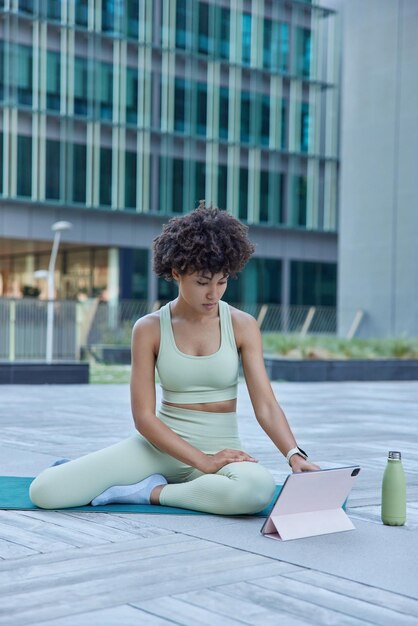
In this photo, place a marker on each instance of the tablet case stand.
(310, 504)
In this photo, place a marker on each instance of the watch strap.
(293, 451)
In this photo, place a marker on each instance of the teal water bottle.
(394, 492)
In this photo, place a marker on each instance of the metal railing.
(23, 324)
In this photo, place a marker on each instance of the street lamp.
(57, 228)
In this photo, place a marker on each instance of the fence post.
(355, 324)
(78, 329)
(262, 315)
(307, 321)
(12, 331)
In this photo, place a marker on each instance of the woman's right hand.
(214, 462)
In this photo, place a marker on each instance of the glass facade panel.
(265, 121)
(304, 127)
(245, 116)
(80, 86)
(130, 180)
(259, 282)
(53, 9)
(24, 166)
(79, 163)
(200, 181)
(223, 112)
(81, 12)
(276, 46)
(201, 104)
(178, 185)
(313, 284)
(222, 186)
(224, 28)
(131, 95)
(246, 38)
(183, 19)
(298, 207)
(106, 176)
(105, 90)
(181, 91)
(132, 18)
(204, 42)
(24, 75)
(1, 164)
(52, 170)
(2, 60)
(243, 194)
(53, 78)
(303, 52)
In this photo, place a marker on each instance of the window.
(183, 35)
(200, 181)
(283, 138)
(105, 176)
(79, 173)
(53, 80)
(264, 196)
(80, 86)
(177, 199)
(225, 25)
(132, 18)
(245, 116)
(271, 196)
(130, 180)
(24, 166)
(203, 35)
(222, 186)
(299, 201)
(303, 51)
(112, 16)
(180, 105)
(201, 102)
(105, 75)
(265, 120)
(81, 12)
(53, 9)
(243, 194)
(269, 284)
(246, 38)
(52, 170)
(24, 75)
(304, 127)
(276, 46)
(131, 95)
(1, 163)
(313, 284)
(223, 112)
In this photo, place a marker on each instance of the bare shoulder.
(147, 328)
(245, 326)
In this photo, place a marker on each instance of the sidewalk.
(62, 569)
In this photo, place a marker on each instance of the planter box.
(41, 373)
(337, 371)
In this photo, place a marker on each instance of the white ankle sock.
(139, 493)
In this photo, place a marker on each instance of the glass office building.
(144, 107)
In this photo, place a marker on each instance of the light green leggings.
(237, 488)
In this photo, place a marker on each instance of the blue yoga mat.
(14, 494)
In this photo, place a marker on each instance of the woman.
(187, 454)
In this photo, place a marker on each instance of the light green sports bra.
(188, 379)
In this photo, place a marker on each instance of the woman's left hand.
(299, 464)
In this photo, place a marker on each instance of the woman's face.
(201, 290)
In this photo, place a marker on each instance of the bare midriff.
(226, 406)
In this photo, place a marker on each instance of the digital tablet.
(310, 503)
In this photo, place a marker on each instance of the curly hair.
(204, 240)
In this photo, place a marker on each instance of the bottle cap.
(396, 456)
